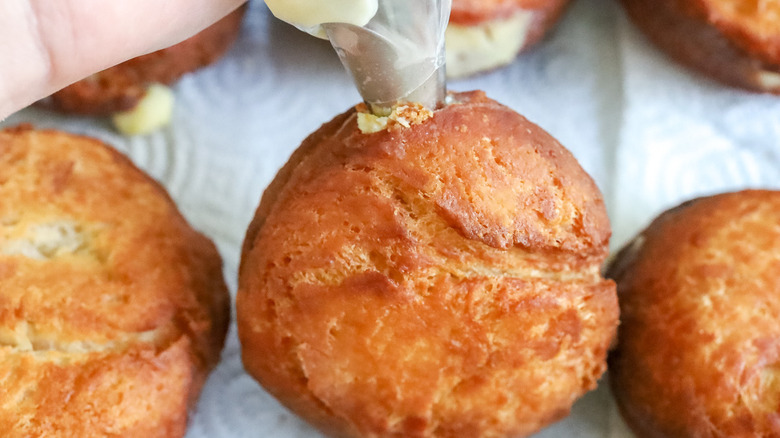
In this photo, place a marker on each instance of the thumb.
(46, 45)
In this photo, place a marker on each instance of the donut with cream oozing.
(486, 34)
(482, 34)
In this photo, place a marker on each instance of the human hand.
(46, 45)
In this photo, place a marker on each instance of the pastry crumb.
(402, 115)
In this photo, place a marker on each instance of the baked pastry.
(112, 308)
(698, 350)
(438, 277)
(486, 34)
(734, 41)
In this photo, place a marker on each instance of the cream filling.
(154, 111)
(471, 49)
(768, 80)
(308, 15)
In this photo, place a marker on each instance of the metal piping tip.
(399, 55)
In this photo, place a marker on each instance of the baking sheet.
(650, 133)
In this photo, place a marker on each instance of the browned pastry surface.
(699, 341)
(112, 308)
(467, 12)
(120, 87)
(437, 280)
(733, 41)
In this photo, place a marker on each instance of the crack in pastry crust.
(408, 282)
(112, 308)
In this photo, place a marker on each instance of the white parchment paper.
(649, 132)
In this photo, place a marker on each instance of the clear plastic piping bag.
(399, 55)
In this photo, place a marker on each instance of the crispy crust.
(437, 280)
(698, 350)
(694, 34)
(121, 87)
(112, 308)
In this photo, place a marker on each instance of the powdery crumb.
(402, 115)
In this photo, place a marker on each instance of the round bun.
(121, 87)
(734, 41)
(486, 34)
(440, 279)
(699, 343)
(112, 309)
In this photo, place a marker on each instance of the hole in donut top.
(43, 241)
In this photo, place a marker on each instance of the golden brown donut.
(440, 279)
(485, 34)
(734, 41)
(699, 343)
(112, 308)
(121, 87)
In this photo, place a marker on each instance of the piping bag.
(393, 49)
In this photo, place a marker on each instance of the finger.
(46, 45)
